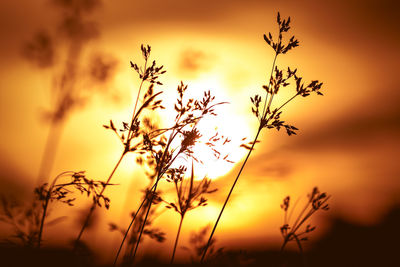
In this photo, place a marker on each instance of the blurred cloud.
(192, 62)
(40, 50)
(102, 67)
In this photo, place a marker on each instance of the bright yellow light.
(228, 124)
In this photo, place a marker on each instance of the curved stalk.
(125, 151)
(46, 204)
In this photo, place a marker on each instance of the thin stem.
(227, 198)
(285, 218)
(92, 208)
(295, 226)
(137, 99)
(129, 227)
(265, 109)
(183, 208)
(285, 241)
(159, 175)
(269, 83)
(284, 104)
(46, 204)
(176, 240)
(144, 221)
(293, 208)
(308, 215)
(300, 250)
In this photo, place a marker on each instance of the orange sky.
(348, 141)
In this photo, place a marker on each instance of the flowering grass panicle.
(268, 115)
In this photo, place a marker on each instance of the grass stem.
(93, 207)
(45, 206)
(176, 240)
(263, 117)
(229, 195)
(129, 227)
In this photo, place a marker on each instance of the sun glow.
(228, 126)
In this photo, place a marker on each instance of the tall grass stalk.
(270, 118)
(229, 195)
(147, 74)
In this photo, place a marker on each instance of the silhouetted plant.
(131, 233)
(198, 242)
(187, 140)
(298, 230)
(62, 192)
(137, 135)
(28, 220)
(190, 195)
(133, 230)
(182, 136)
(269, 117)
(24, 218)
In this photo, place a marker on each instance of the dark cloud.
(365, 123)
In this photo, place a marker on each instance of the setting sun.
(218, 160)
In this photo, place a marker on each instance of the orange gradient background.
(348, 143)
